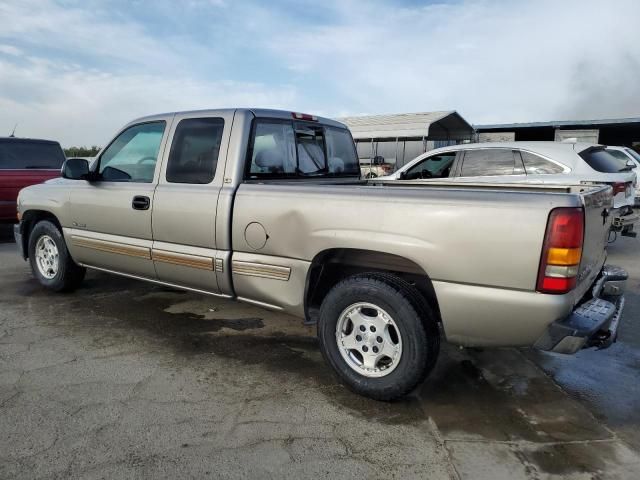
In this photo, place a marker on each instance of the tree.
(82, 151)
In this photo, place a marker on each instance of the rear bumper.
(595, 322)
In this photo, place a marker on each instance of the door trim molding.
(182, 259)
(252, 269)
(111, 247)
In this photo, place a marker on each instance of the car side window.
(536, 165)
(436, 166)
(133, 155)
(194, 150)
(488, 161)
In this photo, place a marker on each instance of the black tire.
(412, 316)
(69, 275)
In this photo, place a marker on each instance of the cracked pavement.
(124, 379)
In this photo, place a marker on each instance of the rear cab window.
(295, 149)
(602, 160)
(18, 154)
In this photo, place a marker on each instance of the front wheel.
(50, 261)
(378, 334)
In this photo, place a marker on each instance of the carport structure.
(399, 138)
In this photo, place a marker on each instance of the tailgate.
(597, 216)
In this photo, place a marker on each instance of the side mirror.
(631, 164)
(402, 176)
(75, 169)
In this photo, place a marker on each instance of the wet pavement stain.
(470, 395)
(566, 459)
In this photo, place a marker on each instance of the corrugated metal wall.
(397, 153)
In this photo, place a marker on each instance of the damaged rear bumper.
(593, 323)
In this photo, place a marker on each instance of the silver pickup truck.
(267, 207)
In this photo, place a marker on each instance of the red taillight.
(304, 116)
(561, 251)
(619, 187)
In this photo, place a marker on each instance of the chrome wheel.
(369, 340)
(47, 258)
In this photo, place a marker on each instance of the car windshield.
(26, 154)
(603, 161)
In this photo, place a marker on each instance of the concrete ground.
(124, 379)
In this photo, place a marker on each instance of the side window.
(194, 150)
(274, 150)
(436, 166)
(536, 165)
(132, 156)
(485, 162)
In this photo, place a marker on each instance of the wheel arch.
(29, 219)
(332, 265)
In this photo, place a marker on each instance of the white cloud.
(78, 107)
(491, 60)
(10, 50)
(78, 71)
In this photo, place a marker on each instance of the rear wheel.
(50, 261)
(378, 334)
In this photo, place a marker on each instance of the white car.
(630, 157)
(531, 162)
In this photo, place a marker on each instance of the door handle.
(140, 202)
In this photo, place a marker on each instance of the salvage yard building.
(618, 131)
(393, 140)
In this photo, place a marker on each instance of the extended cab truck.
(267, 207)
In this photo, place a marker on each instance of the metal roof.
(560, 123)
(407, 125)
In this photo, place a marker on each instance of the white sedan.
(531, 162)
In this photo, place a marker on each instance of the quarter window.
(133, 155)
(485, 162)
(194, 151)
(536, 165)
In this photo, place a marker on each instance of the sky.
(76, 71)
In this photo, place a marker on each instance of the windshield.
(25, 154)
(285, 149)
(603, 161)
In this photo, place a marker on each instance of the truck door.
(111, 216)
(184, 215)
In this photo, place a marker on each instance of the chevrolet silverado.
(268, 207)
